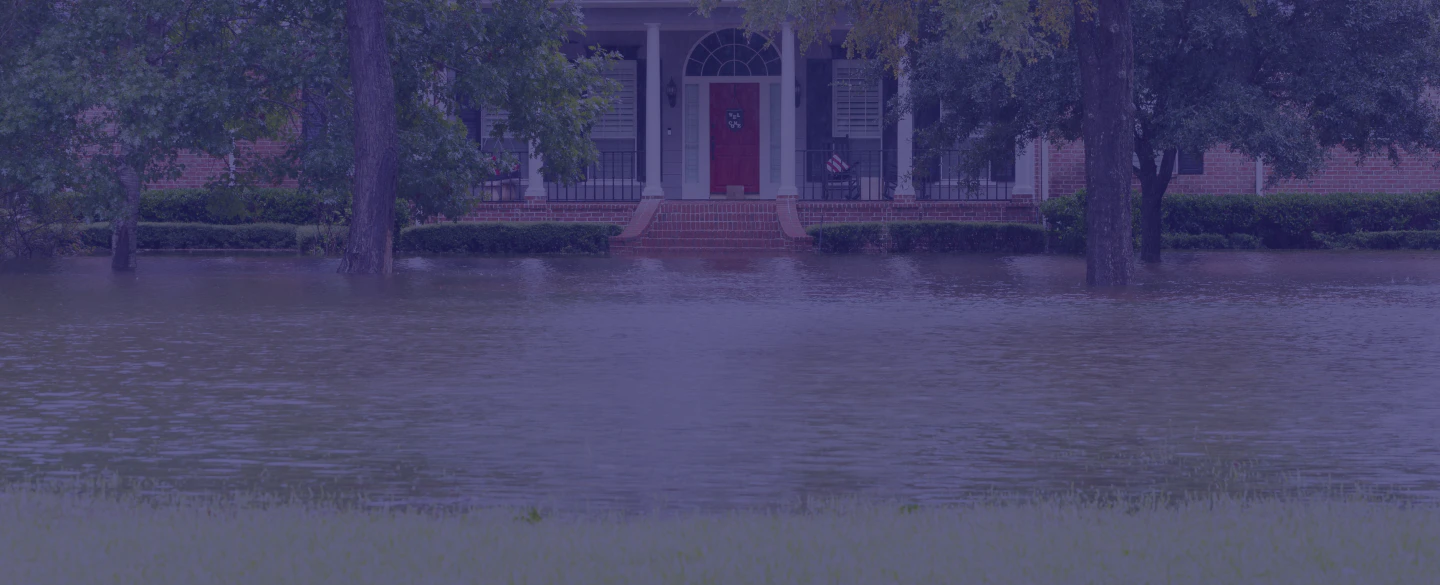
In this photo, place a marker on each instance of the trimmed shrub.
(951, 236)
(508, 238)
(1387, 240)
(845, 238)
(929, 236)
(1292, 220)
(199, 236)
(226, 207)
(1211, 242)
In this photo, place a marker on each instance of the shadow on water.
(723, 382)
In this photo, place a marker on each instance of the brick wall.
(616, 213)
(200, 168)
(817, 212)
(1230, 173)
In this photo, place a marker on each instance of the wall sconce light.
(797, 93)
(671, 91)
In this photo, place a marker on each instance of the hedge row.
(508, 238)
(448, 238)
(247, 206)
(202, 236)
(1272, 221)
(929, 236)
(1388, 240)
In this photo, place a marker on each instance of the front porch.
(706, 112)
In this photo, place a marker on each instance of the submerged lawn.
(48, 539)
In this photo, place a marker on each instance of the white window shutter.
(857, 101)
(620, 121)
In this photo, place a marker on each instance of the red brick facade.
(616, 213)
(1232, 173)
(201, 169)
(818, 212)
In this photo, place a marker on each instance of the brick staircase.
(709, 227)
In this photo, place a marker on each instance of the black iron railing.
(870, 175)
(853, 175)
(617, 176)
(942, 175)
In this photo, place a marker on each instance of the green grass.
(57, 539)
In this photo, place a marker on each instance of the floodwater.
(638, 384)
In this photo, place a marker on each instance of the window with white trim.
(856, 99)
(619, 122)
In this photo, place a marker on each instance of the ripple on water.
(635, 383)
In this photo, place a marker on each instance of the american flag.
(836, 164)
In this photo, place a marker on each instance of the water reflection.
(585, 382)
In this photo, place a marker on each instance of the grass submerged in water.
(49, 538)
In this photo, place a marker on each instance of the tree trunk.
(1104, 43)
(1153, 183)
(369, 249)
(125, 226)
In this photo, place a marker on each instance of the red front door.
(734, 136)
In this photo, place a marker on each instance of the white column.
(1044, 170)
(653, 190)
(1259, 176)
(535, 182)
(904, 137)
(1024, 170)
(788, 188)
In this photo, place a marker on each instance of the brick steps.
(704, 227)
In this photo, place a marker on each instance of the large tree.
(1286, 82)
(378, 103)
(159, 77)
(42, 131)
(1097, 31)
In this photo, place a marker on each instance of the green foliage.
(508, 238)
(929, 236)
(200, 236)
(1281, 81)
(1210, 241)
(844, 238)
(446, 57)
(1281, 221)
(238, 206)
(1387, 240)
(328, 240)
(950, 236)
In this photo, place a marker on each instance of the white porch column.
(535, 182)
(1025, 170)
(787, 188)
(653, 190)
(904, 138)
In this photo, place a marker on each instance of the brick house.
(719, 139)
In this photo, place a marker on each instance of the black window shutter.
(817, 118)
(1192, 163)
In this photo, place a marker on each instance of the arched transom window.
(728, 52)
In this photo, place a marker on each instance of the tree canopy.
(1286, 82)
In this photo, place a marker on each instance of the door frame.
(701, 188)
